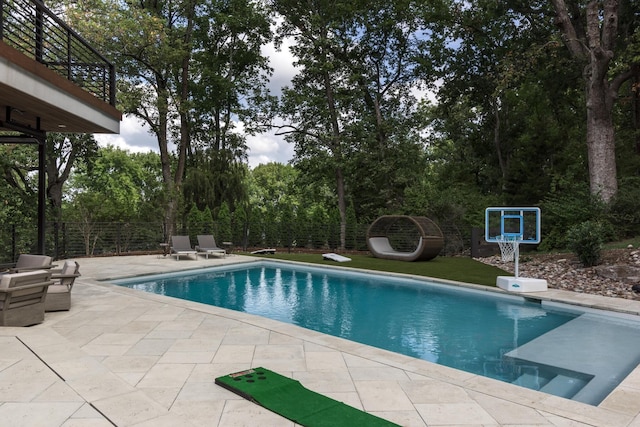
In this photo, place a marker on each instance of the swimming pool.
(553, 348)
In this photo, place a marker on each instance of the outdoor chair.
(22, 297)
(181, 245)
(207, 246)
(59, 293)
(28, 262)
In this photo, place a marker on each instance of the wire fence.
(77, 239)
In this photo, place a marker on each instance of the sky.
(263, 148)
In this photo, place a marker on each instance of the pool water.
(494, 335)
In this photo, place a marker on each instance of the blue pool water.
(498, 336)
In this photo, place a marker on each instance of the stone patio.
(127, 358)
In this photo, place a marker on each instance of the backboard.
(512, 223)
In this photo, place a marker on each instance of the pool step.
(560, 385)
(530, 380)
(608, 352)
(564, 386)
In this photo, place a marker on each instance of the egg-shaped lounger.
(405, 238)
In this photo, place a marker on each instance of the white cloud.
(134, 137)
(263, 148)
(281, 61)
(268, 147)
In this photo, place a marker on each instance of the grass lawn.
(461, 269)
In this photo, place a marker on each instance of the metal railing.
(29, 27)
(76, 239)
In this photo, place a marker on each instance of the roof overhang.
(33, 97)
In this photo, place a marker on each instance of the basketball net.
(508, 247)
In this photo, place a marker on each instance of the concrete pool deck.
(127, 358)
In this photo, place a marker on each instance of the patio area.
(127, 358)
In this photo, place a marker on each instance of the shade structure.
(405, 238)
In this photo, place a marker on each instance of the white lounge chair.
(181, 245)
(207, 246)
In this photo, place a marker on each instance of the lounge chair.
(181, 245)
(59, 293)
(28, 262)
(207, 246)
(22, 297)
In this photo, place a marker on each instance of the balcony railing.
(31, 28)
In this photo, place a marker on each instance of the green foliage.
(18, 214)
(256, 232)
(564, 209)
(240, 225)
(224, 224)
(586, 241)
(196, 221)
(319, 231)
(115, 186)
(352, 229)
(270, 227)
(625, 208)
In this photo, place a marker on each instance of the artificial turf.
(293, 401)
(460, 269)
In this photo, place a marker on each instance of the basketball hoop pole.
(516, 257)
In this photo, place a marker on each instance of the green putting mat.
(290, 399)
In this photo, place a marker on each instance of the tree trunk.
(342, 207)
(601, 148)
(337, 153)
(593, 45)
(161, 131)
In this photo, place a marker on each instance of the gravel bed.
(615, 276)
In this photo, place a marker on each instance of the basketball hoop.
(510, 227)
(508, 246)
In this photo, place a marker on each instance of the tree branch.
(571, 39)
(610, 24)
(619, 79)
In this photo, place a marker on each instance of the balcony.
(51, 80)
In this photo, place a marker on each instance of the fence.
(76, 239)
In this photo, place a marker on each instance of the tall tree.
(505, 118)
(189, 70)
(593, 35)
(150, 42)
(229, 91)
(352, 97)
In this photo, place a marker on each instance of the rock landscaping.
(615, 276)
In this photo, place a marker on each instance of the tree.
(117, 185)
(505, 121)
(64, 151)
(593, 34)
(348, 109)
(189, 70)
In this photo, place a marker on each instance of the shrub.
(586, 240)
(625, 210)
(562, 209)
